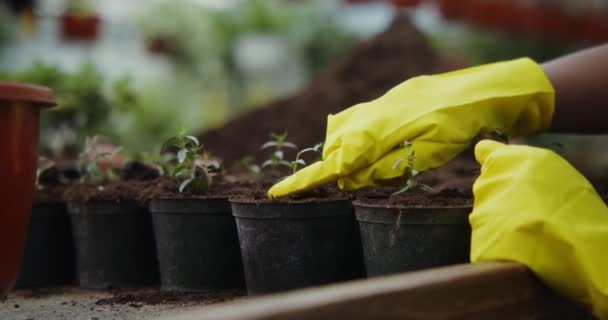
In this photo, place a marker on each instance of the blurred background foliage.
(156, 66)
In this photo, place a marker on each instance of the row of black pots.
(269, 246)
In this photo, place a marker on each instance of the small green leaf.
(194, 140)
(184, 184)
(425, 187)
(278, 155)
(267, 163)
(268, 145)
(285, 163)
(408, 185)
(397, 163)
(289, 145)
(181, 155)
(179, 170)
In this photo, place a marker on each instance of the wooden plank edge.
(491, 290)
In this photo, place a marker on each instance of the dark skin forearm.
(581, 91)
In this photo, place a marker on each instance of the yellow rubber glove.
(532, 207)
(438, 114)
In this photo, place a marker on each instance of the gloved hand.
(532, 207)
(438, 114)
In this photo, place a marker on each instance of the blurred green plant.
(82, 108)
(89, 163)
(483, 46)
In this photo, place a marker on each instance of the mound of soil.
(364, 73)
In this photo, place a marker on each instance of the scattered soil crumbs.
(362, 74)
(139, 299)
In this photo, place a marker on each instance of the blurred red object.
(595, 27)
(79, 27)
(20, 106)
(453, 9)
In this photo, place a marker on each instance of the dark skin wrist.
(581, 91)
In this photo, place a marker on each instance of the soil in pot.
(112, 234)
(196, 237)
(48, 259)
(300, 241)
(413, 230)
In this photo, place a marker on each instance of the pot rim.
(39, 95)
(359, 203)
(245, 200)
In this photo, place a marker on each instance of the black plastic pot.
(114, 244)
(404, 239)
(197, 244)
(48, 259)
(288, 246)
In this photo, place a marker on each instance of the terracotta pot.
(79, 27)
(19, 119)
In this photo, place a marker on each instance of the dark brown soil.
(111, 191)
(138, 299)
(135, 177)
(50, 193)
(416, 198)
(364, 73)
(257, 193)
(169, 188)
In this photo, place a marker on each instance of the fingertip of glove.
(484, 148)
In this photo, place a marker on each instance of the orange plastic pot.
(20, 106)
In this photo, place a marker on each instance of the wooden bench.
(493, 290)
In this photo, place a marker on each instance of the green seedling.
(89, 159)
(277, 157)
(317, 148)
(196, 169)
(248, 162)
(410, 174)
